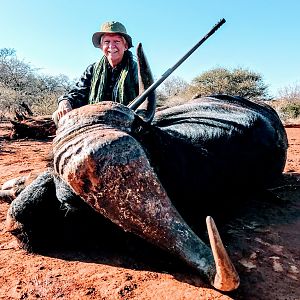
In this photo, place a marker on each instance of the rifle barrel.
(141, 98)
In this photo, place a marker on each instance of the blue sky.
(260, 35)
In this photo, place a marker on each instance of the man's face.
(113, 47)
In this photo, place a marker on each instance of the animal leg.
(32, 211)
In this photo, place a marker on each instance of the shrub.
(238, 82)
(291, 110)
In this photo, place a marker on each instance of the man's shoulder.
(134, 64)
(89, 69)
(91, 66)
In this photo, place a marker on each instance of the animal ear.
(147, 109)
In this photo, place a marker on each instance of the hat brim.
(97, 36)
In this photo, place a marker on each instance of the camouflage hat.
(111, 27)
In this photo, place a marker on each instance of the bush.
(20, 84)
(291, 110)
(238, 82)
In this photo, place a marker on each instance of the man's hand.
(64, 107)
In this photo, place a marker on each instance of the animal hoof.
(226, 278)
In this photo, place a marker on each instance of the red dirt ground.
(263, 242)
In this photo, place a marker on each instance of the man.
(113, 78)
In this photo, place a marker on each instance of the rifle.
(141, 98)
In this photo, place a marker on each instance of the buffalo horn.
(145, 110)
(226, 278)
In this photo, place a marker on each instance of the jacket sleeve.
(79, 95)
(136, 75)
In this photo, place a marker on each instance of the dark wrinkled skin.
(134, 174)
(223, 145)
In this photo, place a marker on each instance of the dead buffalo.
(139, 175)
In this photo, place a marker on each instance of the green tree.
(238, 82)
